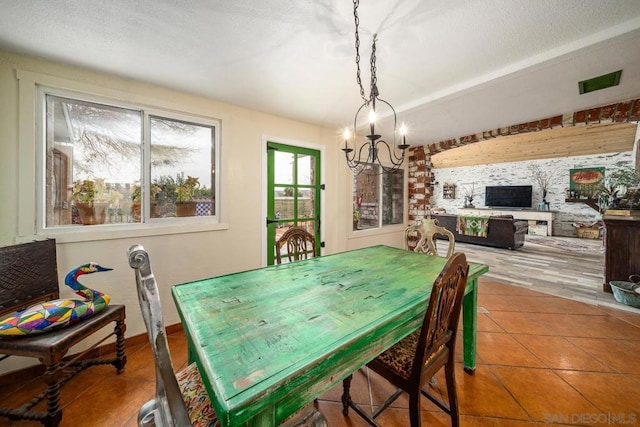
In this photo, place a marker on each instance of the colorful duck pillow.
(55, 314)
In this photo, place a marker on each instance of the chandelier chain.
(356, 3)
(374, 79)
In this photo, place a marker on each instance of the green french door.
(293, 192)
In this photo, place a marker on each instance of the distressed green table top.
(270, 340)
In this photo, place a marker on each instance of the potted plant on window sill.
(136, 199)
(357, 205)
(356, 219)
(185, 191)
(89, 199)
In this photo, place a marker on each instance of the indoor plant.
(544, 180)
(357, 203)
(89, 198)
(621, 190)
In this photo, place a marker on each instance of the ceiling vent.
(600, 82)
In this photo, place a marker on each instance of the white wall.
(520, 173)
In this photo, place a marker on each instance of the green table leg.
(469, 327)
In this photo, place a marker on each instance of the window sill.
(387, 229)
(114, 232)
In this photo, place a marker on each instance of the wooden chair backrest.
(427, 231)
(28, 275)
(299, 244)
(168, 404)
(441, 319)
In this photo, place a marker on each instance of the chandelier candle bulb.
(347, 135)
(403, 132)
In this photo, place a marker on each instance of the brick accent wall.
(621, 112)
(419, 185)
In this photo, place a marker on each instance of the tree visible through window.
(107, 164)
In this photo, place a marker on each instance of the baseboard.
(30, 372)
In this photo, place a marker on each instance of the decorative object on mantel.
(358, 163)
(544, 180)
(448, 191)
(469, 194)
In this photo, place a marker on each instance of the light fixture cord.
(356, 3)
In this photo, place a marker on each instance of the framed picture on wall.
(586, 182)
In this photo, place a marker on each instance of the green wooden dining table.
(269, 341)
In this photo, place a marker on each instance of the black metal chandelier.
(368, 154)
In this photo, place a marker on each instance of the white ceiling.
(450, 68)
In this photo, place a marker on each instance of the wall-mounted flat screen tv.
(508, 196)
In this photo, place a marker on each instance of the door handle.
(271, 221)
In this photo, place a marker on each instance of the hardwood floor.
(576, 274)
(541, 359)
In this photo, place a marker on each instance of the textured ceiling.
(449, 68)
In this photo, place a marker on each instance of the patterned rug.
(572, 244)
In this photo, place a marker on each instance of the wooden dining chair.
(29, 275)
(181, 398)
(414, 360)
(299, 244)
(426, 232)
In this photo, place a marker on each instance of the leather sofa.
(502, 232)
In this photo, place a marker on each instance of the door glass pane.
(308, 225)
(306, 172)
(281, 228)
(283, 167)
(283, 202)
(306, 207)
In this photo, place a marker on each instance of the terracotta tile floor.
(541, 360)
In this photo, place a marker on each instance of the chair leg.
(449, 370)
(121, 358)
(347, 402)
(414, 408)
(54, 411)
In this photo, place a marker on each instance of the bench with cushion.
(502, 231)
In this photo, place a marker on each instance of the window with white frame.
(378, 198)
(112, 164)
